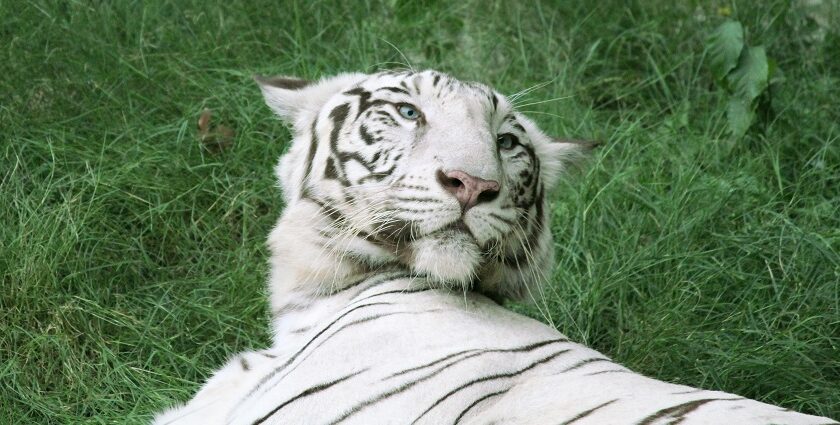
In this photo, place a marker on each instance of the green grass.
(132, 258)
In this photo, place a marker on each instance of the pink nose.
(468, 190)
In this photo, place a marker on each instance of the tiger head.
(417, 170)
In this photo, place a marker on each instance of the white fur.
(385, 329)
(368, 330)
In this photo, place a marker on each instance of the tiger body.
(411, 198)
(395, 351)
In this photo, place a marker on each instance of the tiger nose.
(468, 190)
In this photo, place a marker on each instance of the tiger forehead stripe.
(310, 156)
(393, 89)
(365, 101)
(511, 119)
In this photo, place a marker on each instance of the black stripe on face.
(505, 220)
(417, 199)
(586, 413)
(305, 393)
(519, 260)
(310, 157)
(394, 90)
(495, 101)
(365, 101)
(475, 403)
(378, 175)
(533, 172)
(412, 187)
(678, 412)
(511, 120)
(385, 114)
(490, 378)
(338, 116)
(366, 136)
(330, 172)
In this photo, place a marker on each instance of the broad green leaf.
(749, 79)
(740, 116)
(725, 46)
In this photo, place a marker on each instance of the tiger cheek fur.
(367, 184)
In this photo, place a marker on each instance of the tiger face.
(419, 169)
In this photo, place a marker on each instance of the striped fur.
(391, 350)
(371, 265)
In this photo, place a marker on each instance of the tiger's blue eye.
(408, 112)
(507, 141)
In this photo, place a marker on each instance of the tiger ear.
(283, 95)
(292, 98)
(577, 149)
(562, 154)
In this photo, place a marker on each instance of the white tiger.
(408, 195)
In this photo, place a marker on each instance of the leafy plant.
(745, 73)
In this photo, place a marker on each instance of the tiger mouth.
(458, 226)
(457, 229)
(406, 231)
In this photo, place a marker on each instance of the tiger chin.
(418, 171)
